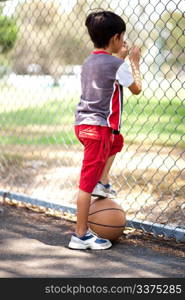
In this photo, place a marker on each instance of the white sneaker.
(89, 241)
(99, 191)
(104, 191)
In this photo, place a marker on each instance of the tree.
(8, 36)
(48, 38)
(171, 41)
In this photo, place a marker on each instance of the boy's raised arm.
(134, 56)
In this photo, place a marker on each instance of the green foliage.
(8, 33)
(171, 39)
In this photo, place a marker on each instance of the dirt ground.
(149, 180)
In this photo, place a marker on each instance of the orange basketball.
(106, 218)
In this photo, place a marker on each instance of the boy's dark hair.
(102, 26)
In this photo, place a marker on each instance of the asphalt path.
(35, 245)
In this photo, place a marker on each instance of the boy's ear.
(116, 37)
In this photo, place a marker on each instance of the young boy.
(98, 115)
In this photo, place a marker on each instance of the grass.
(51, 122)
(154, 121)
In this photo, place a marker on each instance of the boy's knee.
(120, 142)
(117, 144)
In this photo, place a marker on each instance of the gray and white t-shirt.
(103, 77)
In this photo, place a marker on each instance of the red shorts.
(99, 144)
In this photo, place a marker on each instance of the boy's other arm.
(134, 56)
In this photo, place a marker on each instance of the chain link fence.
(42, 47)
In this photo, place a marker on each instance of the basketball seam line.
(106, 209)
(112, 226)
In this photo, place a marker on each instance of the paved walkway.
(34, 245)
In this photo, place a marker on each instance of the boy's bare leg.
(105, 174)
(84, 199)
(83, 203)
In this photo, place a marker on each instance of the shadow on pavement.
(35, 245)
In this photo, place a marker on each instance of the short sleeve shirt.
(103, 77)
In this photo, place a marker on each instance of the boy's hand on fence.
(135, 54)
(123, 51)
